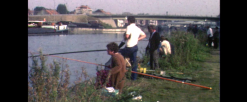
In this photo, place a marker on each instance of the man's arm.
(142, 37)
(117, 67)
(127, 36)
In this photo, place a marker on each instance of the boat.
(34, 23)
(46, 27)
(57, 28)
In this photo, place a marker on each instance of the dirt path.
(214, 61)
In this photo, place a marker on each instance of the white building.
(153, 22)
(83, 10)
(120, 23)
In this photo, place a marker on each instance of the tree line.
(61, 9)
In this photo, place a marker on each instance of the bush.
(188, 51)
(107, 26)
(52, 83)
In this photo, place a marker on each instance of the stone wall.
(72, 18)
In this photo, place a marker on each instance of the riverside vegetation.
(49, 82)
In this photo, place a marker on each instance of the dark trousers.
(131, 52)
(210, 40)
(154, 55)
(216, 40)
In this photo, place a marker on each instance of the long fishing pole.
(71, 52)
(173, 80)
(76, 51)
(139, 73)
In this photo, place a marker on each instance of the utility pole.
(54, 9)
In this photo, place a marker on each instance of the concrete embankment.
(74, 31)
(88, 30)
(72, 18)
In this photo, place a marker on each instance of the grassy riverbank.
(192, 58)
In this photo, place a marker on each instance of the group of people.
(213, 37)
(117, 66)
(158, 47)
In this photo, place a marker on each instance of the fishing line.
(76, 51)
(137, 73)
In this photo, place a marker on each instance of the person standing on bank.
(153, 47)
(216, 38)
(195, 31)
(133, 35)
(118, 67)
(210, 36)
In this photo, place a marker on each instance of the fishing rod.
(139, 73)
(172, 80)
(71, 52)
(76, 51)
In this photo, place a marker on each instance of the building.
(101, 12)
(120, 23)
(153, 22)
(46, 12)
(30, 12)
(83, 10)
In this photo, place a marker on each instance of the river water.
(77, 41)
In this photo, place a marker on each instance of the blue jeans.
(131, 52)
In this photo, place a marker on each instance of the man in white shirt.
(133, 35)
(210, 36)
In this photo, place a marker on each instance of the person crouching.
(118, 67)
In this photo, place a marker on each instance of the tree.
(37, 9)
(62, 9)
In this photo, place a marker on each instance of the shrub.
(188, 51)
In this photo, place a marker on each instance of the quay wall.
(72, 18)
(90, 30)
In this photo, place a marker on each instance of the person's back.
(134, 32)
(133, 35)
(167, 47)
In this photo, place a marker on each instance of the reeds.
(187, 50)
(50, 83)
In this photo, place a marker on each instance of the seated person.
(165, 47)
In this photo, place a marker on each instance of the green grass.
(192, 58)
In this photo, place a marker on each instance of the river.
(79, 42)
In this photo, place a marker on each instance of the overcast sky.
(183, 7)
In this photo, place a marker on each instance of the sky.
(173, 7)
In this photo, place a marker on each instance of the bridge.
(118, 20)
(161, 17)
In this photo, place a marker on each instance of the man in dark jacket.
(153, 47)
(216, 37)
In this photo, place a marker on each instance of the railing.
(130, 15)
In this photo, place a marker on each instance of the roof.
(102, 11)
(51, 11)
(83, 7)
(30, 11)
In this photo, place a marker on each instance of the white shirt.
(210, 31)
(134, 32)
(167, 46)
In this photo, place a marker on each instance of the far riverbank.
(35, 31)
